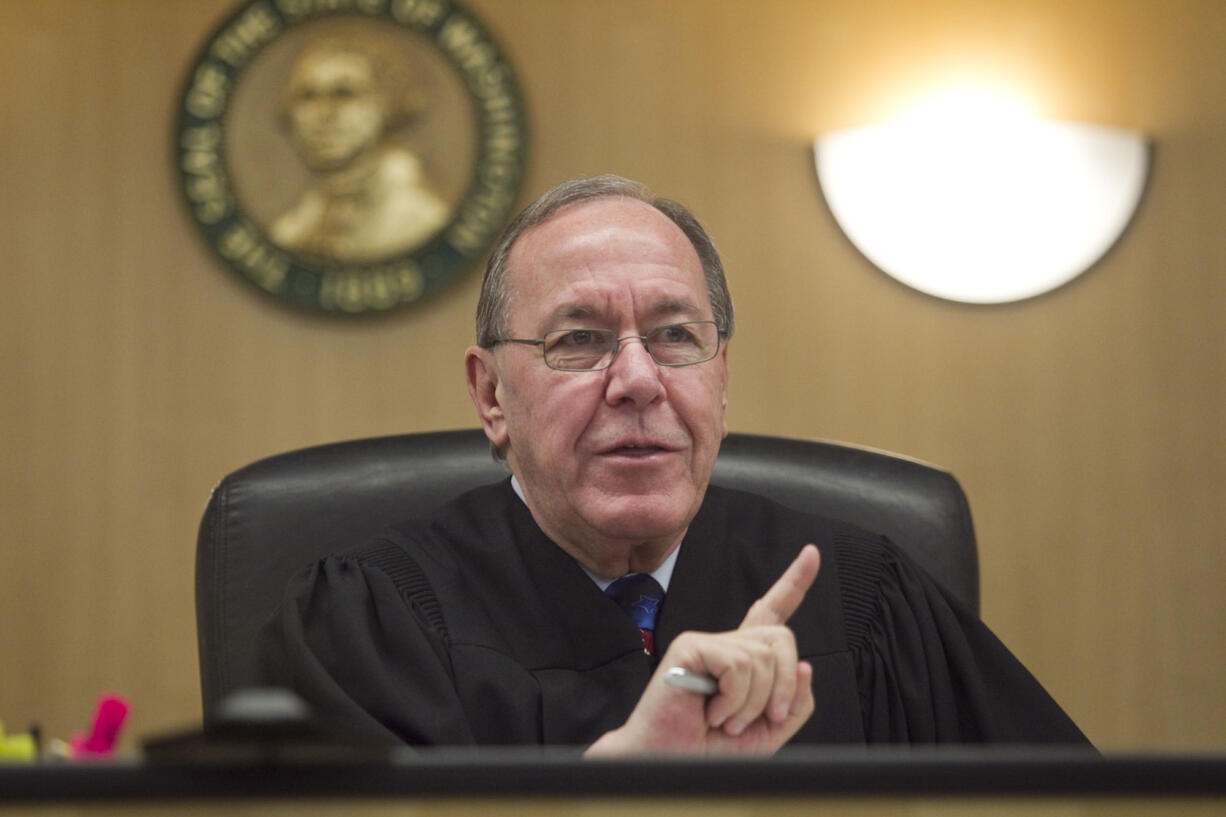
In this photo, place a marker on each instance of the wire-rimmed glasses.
(590, 350)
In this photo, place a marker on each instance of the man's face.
(336, 113)
(621, 454)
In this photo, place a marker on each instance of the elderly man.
(600, 374)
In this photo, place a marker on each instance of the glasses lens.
(579, 349)
(680, 344)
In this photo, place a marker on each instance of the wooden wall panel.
(1086, 425)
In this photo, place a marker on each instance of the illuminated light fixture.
(970, 198)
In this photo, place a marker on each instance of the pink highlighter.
(100, 742)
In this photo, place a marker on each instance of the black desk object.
(860, 781)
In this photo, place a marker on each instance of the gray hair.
(493, 308)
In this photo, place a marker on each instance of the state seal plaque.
(350, 156)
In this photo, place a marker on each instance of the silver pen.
(682, 678)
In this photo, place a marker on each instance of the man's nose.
(634, 375)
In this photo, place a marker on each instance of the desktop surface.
(863, 782)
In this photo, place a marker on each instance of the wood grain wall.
(1086, 425)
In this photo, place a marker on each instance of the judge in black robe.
(473, 628)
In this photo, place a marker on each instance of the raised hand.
(764, 695)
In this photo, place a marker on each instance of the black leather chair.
(271, 518)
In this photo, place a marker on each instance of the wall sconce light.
(970, 198)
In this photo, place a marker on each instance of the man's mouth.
(635, 449)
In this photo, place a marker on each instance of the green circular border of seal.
(351, 289)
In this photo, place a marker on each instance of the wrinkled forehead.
(600, 257)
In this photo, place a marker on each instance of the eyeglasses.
(590, 350)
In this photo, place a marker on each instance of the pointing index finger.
(786, 594)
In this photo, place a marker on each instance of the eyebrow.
(673, 307)
(576, 312)
(668, 308)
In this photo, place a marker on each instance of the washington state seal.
(350, 156)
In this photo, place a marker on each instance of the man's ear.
(483, 380)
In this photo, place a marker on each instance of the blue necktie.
(640, 596)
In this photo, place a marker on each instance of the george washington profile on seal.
(350, 156)
(369, 197)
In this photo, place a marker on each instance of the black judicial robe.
(474, 628)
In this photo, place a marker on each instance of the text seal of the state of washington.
(350, 156)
